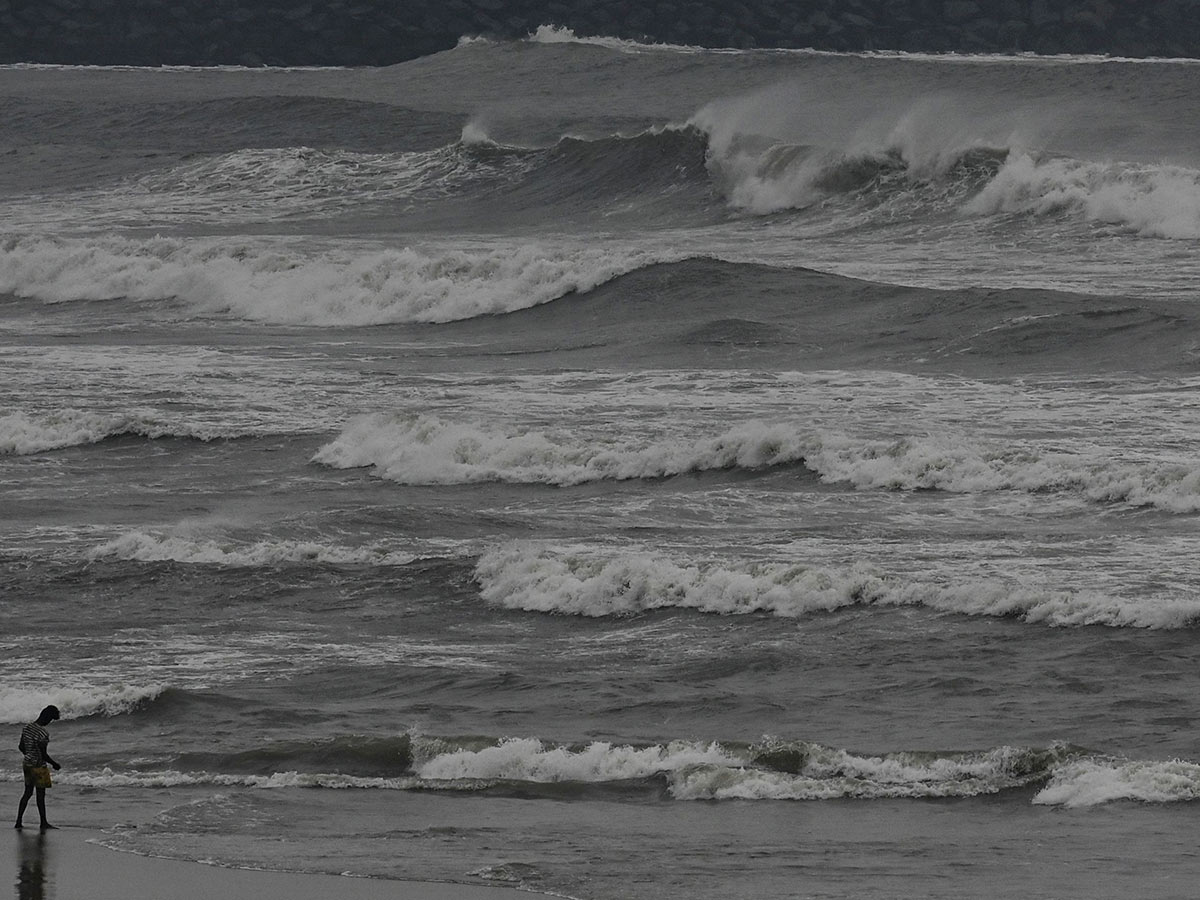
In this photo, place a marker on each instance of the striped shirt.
(33, 738)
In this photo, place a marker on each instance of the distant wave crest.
(595, 581)
(22, 434)
(144, 547)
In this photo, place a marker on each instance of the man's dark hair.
(49, 714)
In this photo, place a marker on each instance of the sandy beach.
(66, 864)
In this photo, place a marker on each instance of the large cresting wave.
(605, 581)
(281, 282)
(916, 159)
(424, 449)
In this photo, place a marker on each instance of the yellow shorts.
(38, 776)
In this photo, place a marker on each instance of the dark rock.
(1089, 15)
(299, 13)
(1012, 35)
(960, 10)
(1047, 43)
(1042, 13)
(820, 21)
(486, 25)
(786, 759)
(1074, 42)
(803, 29)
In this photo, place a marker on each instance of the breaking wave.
(770, 769)
(1154, 201)
(588, 581)
(281, 283)
(1095, 781)
(554, 34)
(773, 770)
(22, 434)
(143, 547)
(813, 772)
(529, 759)
(938, 156)
(796, 177)
(684, 770)
(427, 450)
(24, 704)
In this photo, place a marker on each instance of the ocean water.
(616, 471)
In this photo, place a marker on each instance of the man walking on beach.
(34, 740)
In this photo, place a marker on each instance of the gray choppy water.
(407, 478)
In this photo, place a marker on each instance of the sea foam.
(832, 773)
(1152, 200)
(427, 450)
(528, 759)
(691, 770)
(594, 581)
(144, 547)
(283, 283)
(697, 770)
(1094, 781)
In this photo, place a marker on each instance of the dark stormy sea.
(627, 472)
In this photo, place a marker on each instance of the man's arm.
(46, 757)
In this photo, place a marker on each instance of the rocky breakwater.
(380, 32)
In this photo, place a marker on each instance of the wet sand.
(65, 865)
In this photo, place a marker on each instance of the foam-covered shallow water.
(611, 470)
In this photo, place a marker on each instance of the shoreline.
(68, 863)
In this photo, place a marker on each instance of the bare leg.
(41, 805)
(24, 803)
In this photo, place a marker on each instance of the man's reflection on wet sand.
(31, 874)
